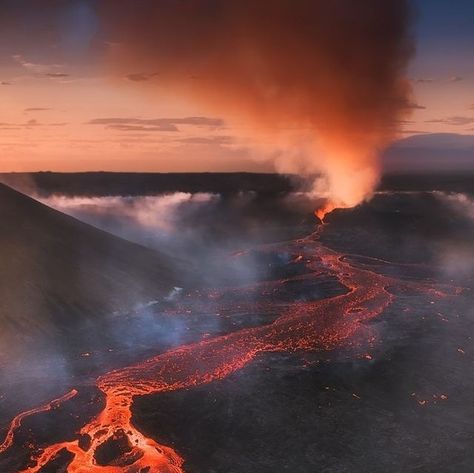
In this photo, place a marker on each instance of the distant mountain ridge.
(431, 153)
(416, 176)
(125, 183)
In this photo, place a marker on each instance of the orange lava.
(327, 208)
(16, 422)
(315, 325)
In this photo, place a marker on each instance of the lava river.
(319, 325)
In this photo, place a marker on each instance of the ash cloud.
(317, 86)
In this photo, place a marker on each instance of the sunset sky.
(65, 109)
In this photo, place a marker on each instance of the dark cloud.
(123, 127)
(207, 140)
(57, 75)
(424, 81)
(141, 76)
(456, 79)
(199, 121)
(155, 124)
(415, 106)
(36, 109)
(31, 124)
(4, 82)
(455, 121)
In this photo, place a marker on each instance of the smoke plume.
(318, 85)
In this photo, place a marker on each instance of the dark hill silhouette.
(58, 273)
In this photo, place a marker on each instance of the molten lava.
(16, 422)
(327, 208)
(316, 325)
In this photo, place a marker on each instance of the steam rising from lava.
(316, 85)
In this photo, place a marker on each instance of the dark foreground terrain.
(345, 350)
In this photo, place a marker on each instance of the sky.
(65, 109)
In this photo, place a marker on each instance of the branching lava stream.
(305, 325)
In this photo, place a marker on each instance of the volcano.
(59, 273)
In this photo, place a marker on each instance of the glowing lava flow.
(327, 208)
(16, 422)
(314, 325)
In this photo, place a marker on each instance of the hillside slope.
(57, 273)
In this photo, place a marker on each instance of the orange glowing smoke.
(316, 85)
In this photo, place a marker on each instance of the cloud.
(36, 109)
(35, 67)
(31, 124)
(155, 124)
(207, 140)
(413, 132)
(455, 79)
(455, 121)
(415, 106)
(141, 76)
(123, 127)
(57, 75)
(4, 82)
(51, 71)
(18, 144)
(424, 81)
